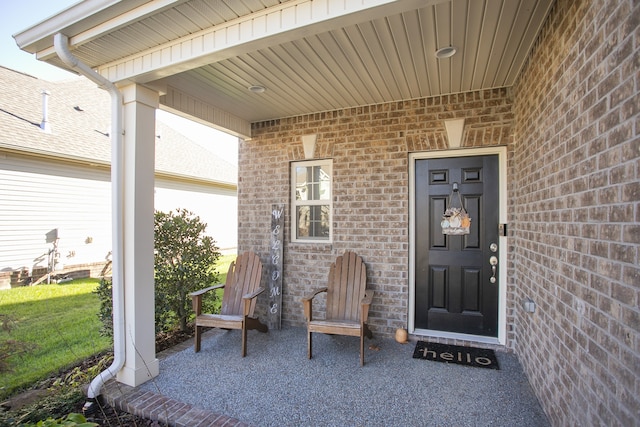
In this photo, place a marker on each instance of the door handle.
(493, 261)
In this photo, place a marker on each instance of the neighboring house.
(535, 118)
(55, 190)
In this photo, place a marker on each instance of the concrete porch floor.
(276, 385)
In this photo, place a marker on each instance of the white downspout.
(61, 44)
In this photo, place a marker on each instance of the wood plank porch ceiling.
(374, 55)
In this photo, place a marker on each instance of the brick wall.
(576, 231)
(571, 127)
(369, 147)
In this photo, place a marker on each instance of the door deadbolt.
(493, 247)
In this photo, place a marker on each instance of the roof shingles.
(82, 133)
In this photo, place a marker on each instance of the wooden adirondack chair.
(347, 304)
(238, 301)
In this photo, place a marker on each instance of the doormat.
(469, 356)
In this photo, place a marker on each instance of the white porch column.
(140, 106)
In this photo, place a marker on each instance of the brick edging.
(156, 407)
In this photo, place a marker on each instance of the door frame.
(501, 151)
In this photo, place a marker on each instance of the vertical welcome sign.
(275, 266)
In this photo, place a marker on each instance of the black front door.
(454, 289)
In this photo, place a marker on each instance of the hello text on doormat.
(469, 356)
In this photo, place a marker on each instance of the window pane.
(301, 183)
(323, 180)
(311, 200)
(313, 221)
(313, 183)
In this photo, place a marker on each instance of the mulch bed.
(105, 415)
(112, 417)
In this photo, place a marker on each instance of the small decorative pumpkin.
(401, 335)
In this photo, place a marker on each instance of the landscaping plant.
(105, 294)
(185, 261)
(72, 419)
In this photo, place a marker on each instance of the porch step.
(159, 408)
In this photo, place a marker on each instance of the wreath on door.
(455, 220)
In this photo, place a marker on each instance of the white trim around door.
(501, 151)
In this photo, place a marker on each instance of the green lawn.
(59, 320)
(222, 266)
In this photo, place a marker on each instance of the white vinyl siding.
(216, 207)
(39, 195)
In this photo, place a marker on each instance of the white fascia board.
(85, 21)
(40, 36)
(275, 25)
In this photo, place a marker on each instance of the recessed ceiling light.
(445, 52)
(257, 89)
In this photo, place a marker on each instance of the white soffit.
(286, 22)
(311, 56)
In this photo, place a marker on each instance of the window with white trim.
(311, 201)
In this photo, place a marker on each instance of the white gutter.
(61, 44)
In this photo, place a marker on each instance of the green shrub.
(105, 294)
(184, 262)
